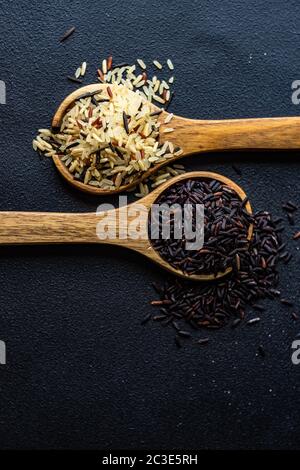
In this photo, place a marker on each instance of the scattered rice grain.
(157, 64)
(170, 64)
(141, 64)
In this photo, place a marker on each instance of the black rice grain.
(202, 341)
(184, 334)
(286, 302)
(291, 219)
(236, 322)
(74, 79)
(289, 206)
(156, 113)
(236, 169)
(67, 34)
(146, 319)
(258, 307)
(125, 122)
(178, 342)
(296, 236)
(261, 351)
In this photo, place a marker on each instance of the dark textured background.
(82, 372)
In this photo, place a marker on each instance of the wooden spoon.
(196, 136)
(23, 228)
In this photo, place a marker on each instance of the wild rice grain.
(100, 75)
(109, 92)
(156, 113)
(109, 62)
(160, 302)
(125, 121)
(67, 34)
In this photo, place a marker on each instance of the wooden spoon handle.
(46, 228)
(23, 228)
(195, 136)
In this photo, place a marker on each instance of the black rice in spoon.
(226, 227)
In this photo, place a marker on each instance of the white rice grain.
(83, 69)
(170, 64)
(157, 64)
(141, 64)
(169, 118)
(78, 72)
(158, 99)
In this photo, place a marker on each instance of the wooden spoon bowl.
(58, 228)
(195, 137)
